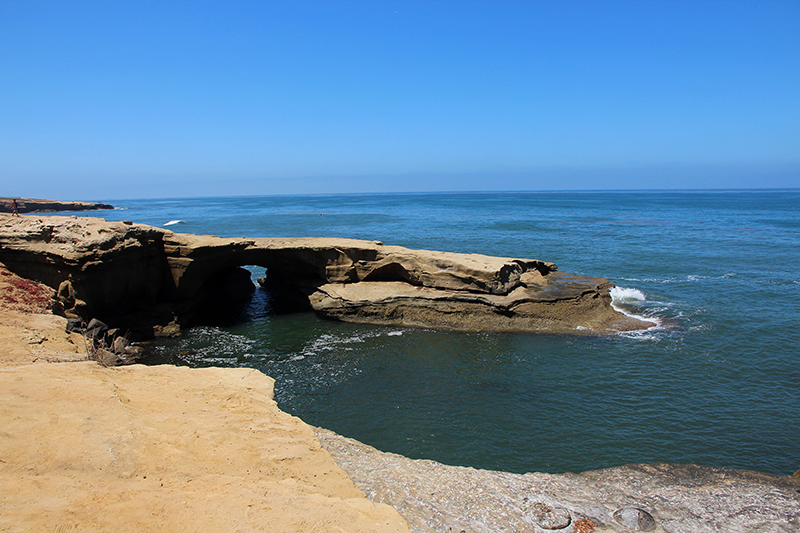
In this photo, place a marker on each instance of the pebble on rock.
(548, 517)
(634, 518)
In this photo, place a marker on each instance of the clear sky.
(116, 100)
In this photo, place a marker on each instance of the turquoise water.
(716, 383)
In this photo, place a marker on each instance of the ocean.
(715, 381)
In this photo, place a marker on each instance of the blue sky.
(104, 100)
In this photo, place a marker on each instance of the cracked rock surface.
(670, 498)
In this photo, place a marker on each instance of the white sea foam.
(691, 278)
(173, 222)
(328, 342)
(626, 295)
(650, 334)
(625, 299)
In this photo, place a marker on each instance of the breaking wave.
(630, 302)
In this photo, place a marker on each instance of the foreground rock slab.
(667, 498)
(138, 276)
(87, 448)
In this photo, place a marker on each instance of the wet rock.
(133, 351)
(635, 519)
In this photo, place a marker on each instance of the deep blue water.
(717, 384)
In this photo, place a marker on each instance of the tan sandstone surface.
(136, 448)
(154, 281)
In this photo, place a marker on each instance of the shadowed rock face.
(137, 275)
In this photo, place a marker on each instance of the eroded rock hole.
(244, 294)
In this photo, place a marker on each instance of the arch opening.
(247, 293)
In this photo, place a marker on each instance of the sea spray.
(624, 300)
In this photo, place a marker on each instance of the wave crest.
(625, 295)
(625, 298)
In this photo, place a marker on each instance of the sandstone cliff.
(33, 205)
(156, 281)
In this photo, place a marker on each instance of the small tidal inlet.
(712, 380)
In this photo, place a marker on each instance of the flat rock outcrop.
(35, 205)
(152, 449)
(158, 281)
(670, 498)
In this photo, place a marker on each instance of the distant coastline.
(36, 205)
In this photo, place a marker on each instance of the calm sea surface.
(718, 383)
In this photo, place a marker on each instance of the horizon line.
(445, 192)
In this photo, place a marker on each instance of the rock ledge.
(157, 281)
(34, 205)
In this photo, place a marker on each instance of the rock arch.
(157, 281)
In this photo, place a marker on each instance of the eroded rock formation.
(158, 281)
(34, 205)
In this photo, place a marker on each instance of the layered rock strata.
(33, 205)
(159, 281)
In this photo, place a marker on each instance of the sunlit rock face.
(155, 281)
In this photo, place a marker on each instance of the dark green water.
(718, 383)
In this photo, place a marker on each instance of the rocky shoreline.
(674, 498)
(35, 205)
(155, 282)
(90, 448)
